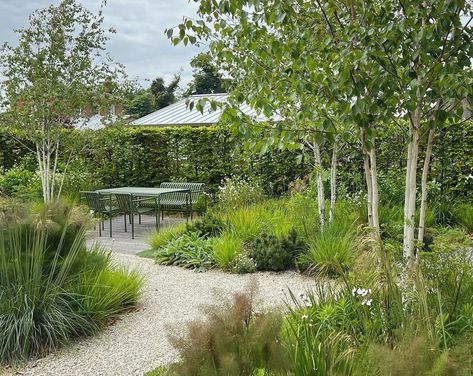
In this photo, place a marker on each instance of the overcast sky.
(139, 44)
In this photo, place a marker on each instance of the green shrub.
(242, 264)
(226, 248)
(210, 225)
(271, 253)
(236, 193)
(463, 214)
(189, 251)
(233, 340)
(164, 235)
(50, 294)
(21, 183)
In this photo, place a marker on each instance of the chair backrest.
(93, 201)
(196, 190)
(125, 202)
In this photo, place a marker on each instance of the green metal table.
(146, 192)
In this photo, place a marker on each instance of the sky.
(139, 42)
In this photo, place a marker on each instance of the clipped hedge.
(147, 156)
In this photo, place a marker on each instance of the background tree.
(206, 77)
(57, 69)
(164, 95)
(139, 104)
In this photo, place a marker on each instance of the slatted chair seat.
(132, 205)
(179, 201)
(101, 206)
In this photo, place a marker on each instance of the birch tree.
(368, 62)
(58, 68)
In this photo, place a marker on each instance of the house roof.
(179, 113)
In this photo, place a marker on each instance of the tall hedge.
(118, 156)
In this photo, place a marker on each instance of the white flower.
(92, 212)
(367, 302)
(304, 317)
(353, 291)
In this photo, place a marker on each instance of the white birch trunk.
(320, 184)
(410, 193)
(369, 184)
(333, 180)
(374, 185)
(425, 173)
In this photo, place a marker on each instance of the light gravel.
(171, 297)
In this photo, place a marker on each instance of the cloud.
(140, 43)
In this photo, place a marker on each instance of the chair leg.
(132, 225)
(100, 227)
(139, 218)
(111, 217)
(124, 217)
(162, 215)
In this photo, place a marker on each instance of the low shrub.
(210, 225)
(50, 294)
(271, 253)
(232, 340)
(235, 193)
(226, 248)
(242, 264)
(189, 250)
(21, 183)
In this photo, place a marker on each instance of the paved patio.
(121, 241)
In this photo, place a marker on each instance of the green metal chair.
(100, 205)
(179, 201)
(131, 205)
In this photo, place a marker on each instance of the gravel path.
(171, 297)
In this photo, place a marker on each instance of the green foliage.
(20, 183)
(235, 193)
(160, 238)
(189, 250)
(210, 225)
(464, 216)
(242, 264)
(141, 104)
(44, 92)
(52, 288)
(206, 78)
(276, 254)
(228, 246)
(333, 251)
(232, 340)
(302, 213)
(412, 357)
(448, 269)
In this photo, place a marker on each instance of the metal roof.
(179, 113)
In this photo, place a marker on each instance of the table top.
(141, 191)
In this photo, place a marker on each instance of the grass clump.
(228, 246)
(160, 238)
(333, 251)
(52, 288)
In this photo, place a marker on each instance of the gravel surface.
(172, 296)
